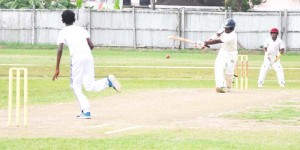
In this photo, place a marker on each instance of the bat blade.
(177, 38)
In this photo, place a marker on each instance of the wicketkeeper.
(273, 48)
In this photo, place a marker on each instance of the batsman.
(227, 55)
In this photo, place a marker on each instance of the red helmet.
(274, 30)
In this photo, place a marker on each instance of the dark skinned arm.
(281, 51)
(91, 45)
(211, 42)
(59, 54)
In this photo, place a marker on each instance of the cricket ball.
(168, 56)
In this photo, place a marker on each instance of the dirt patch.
(172, 108)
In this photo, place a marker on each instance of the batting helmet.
(229, 23)
(274, 30)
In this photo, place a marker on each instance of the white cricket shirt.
(75, 37)
(273, 47)
(229, 41)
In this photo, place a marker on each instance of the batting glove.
(200, 44)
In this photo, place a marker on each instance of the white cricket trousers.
(267, 65)
(225, 61)
(82, 73)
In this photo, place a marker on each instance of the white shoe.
(260, 85)
(114, 83)
(281, 85)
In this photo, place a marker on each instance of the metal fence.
(142, 28)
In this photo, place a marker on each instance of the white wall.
(148, 28)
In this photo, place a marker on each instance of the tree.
(241, 5)
(59, 4)
(37, 4)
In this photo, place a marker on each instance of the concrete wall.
(148, 28)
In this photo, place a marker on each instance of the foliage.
(60, 4)
(78, 3)
(37, 4)
(117, 3)
(240, 5)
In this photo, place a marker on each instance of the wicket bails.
(242, 73)
(18, 93)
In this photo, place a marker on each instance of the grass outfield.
(136, 70)
(145, 70)
(180, 139)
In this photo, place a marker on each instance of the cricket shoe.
(83, 115)
(260, 85)
(220, 90)
(114, 83)
(281, 84)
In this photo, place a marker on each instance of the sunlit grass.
(285, 112)
(178, 139)
(136, 69)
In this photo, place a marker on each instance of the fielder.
(227, 55)
(273, 48)
(82, 63)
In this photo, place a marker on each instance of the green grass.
(39, 89)
(168, 139)
(286, 112)
(291, 103)
(41, 66)
(14, 45)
